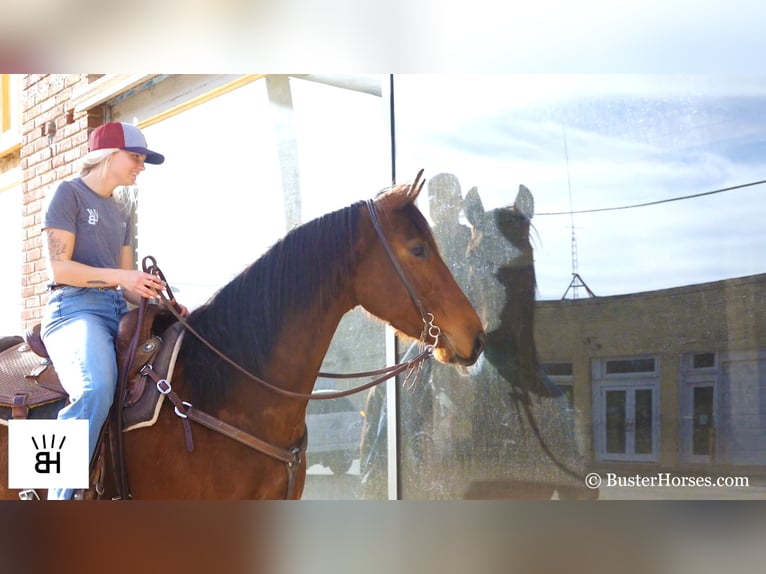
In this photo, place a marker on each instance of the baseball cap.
(120, 135)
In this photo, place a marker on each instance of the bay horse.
(276, 320)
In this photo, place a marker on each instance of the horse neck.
(517, 314)
(293, 366)
(302, 345)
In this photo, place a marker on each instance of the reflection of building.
(672, 379)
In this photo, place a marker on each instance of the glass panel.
(558, 369)
(629, 366)
(568, 391)
(275, 153)
(703, 360)
(502, 428)
(703, 421)
(642, 415)
(616, 426)
(10, 260)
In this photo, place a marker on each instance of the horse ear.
(525, 202)
(473, 207)
(403, 195)
(415, 187)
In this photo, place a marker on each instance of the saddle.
(30, 387)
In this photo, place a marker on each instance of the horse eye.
(420, 251)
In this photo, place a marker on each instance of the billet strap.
(20, 409)
(291, 457)
(187, 412)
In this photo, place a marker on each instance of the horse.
(274, 322)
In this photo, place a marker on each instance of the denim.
(79, 329)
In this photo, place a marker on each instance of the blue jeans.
(79, 329)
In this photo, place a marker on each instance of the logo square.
(48, 454)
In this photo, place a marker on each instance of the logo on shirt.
(92, 216)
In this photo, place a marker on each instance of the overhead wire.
(649, 203)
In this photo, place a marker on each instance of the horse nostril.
(478, 344)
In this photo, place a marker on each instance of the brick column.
(44, 163)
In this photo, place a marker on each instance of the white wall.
(10, 261)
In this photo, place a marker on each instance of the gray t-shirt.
(101, 225)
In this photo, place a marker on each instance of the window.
(558, 369)
(699, 397)
(629, 366)
(562, 375)
(270, 153)
(703, 360)
(10, 114)
(626, 409)
(10, 204)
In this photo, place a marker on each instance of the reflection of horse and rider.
(502, 428)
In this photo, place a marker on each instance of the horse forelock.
(302, 272)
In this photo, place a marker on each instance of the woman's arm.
(59, 247)
(127, 262)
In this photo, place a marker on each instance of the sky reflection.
(613, 140)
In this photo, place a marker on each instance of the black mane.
(301, 272)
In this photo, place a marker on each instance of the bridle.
(291, 457)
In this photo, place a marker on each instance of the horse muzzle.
(448, 353)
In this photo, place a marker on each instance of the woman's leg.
(80, 343)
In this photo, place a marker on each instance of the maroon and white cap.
(119, 135)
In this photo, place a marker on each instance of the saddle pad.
(146, 411)
(17, 365)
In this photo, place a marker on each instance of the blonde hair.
(126, 196)
(94, 159)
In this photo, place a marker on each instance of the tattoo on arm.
(56, 247)
(97, 282)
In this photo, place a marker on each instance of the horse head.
(503, 276)
(403, 261)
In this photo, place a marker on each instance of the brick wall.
(719, 316)
(46, 97)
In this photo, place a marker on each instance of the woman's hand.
(142, 284)
(182, 310)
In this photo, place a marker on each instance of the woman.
(87, 238)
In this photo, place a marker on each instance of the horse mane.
(302, 272)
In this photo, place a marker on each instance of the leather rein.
(291, 457)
